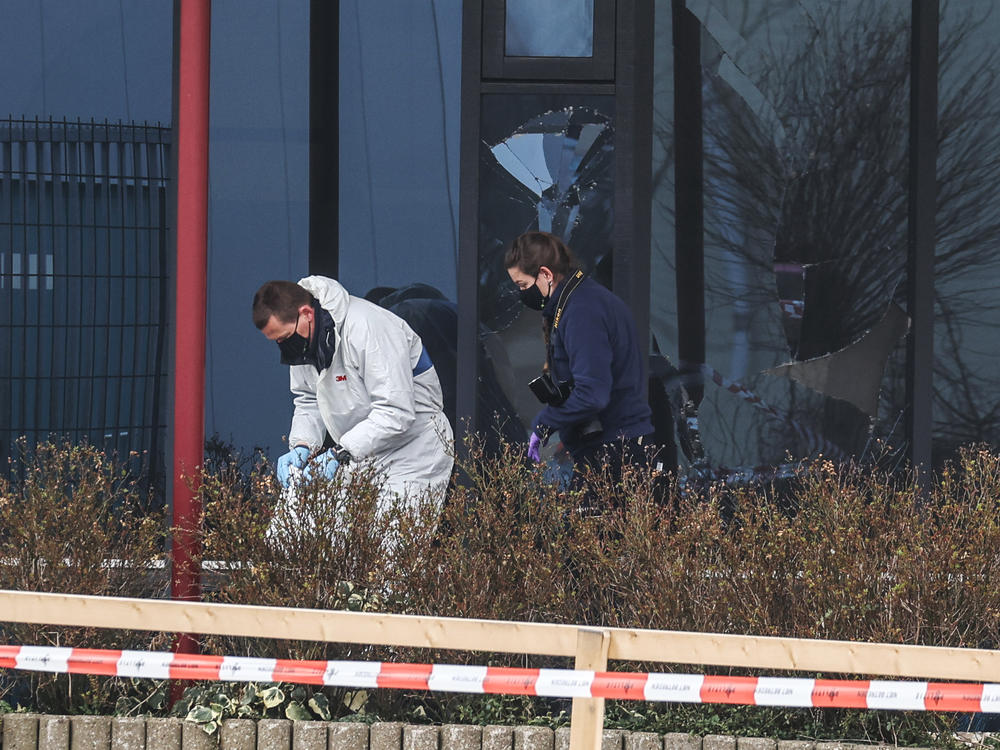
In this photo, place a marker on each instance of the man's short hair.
(280, 299)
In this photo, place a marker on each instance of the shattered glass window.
(549, 28)
(967, 264)
(546, 163)
(805, 128)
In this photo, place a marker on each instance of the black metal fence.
(84, 296)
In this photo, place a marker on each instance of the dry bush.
(853, 554)
(863, 558)
(333, 547)
(73, 520)
(334, 543)
(842, 552)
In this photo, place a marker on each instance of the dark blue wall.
(399, 127)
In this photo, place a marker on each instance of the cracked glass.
(805, 123)
(546, 163)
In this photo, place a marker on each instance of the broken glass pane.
(854, 373)
(546, 163)
(805, 129)
(554, 174)
(555, 161)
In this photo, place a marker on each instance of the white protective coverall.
(369, 400)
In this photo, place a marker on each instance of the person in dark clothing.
(593, 382)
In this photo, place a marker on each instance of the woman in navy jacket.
(595, 390)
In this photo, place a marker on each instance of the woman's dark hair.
(532, 250)
(282, 299)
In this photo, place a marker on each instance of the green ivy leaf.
(320, 706)
(297, 712)
(158, 700)
(272, 696)
(182, 706)
(248, 694)
(200, 715)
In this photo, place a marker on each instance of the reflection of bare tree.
(819, 179)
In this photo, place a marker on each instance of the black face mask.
(294, 348)
(532, 297)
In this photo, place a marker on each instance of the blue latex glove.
(296, 457)
(534, 444)
(325, 464)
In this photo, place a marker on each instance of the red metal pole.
(189, 317)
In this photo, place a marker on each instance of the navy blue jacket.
(597, 348)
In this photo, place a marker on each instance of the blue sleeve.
(586, 337)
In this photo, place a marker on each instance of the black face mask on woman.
(532, 297)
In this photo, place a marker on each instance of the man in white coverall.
(359, 373)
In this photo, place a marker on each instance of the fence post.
(587, 720)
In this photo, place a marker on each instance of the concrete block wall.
(42, 732)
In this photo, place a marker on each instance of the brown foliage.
(845, 552)
(73, 520)
(859, 557)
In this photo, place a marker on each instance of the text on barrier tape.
(555, 683)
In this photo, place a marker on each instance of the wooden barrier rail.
(591, 647)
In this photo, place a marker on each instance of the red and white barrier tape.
(555, 683)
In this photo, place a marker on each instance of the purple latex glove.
(533, 446)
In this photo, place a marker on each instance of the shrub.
(332, 548)
(329, 549)
(855, 556)
(73, 520)
(839, 552)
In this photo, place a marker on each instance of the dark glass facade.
(967, 253)
(778, 251)
(807, 194)
(803, 126)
